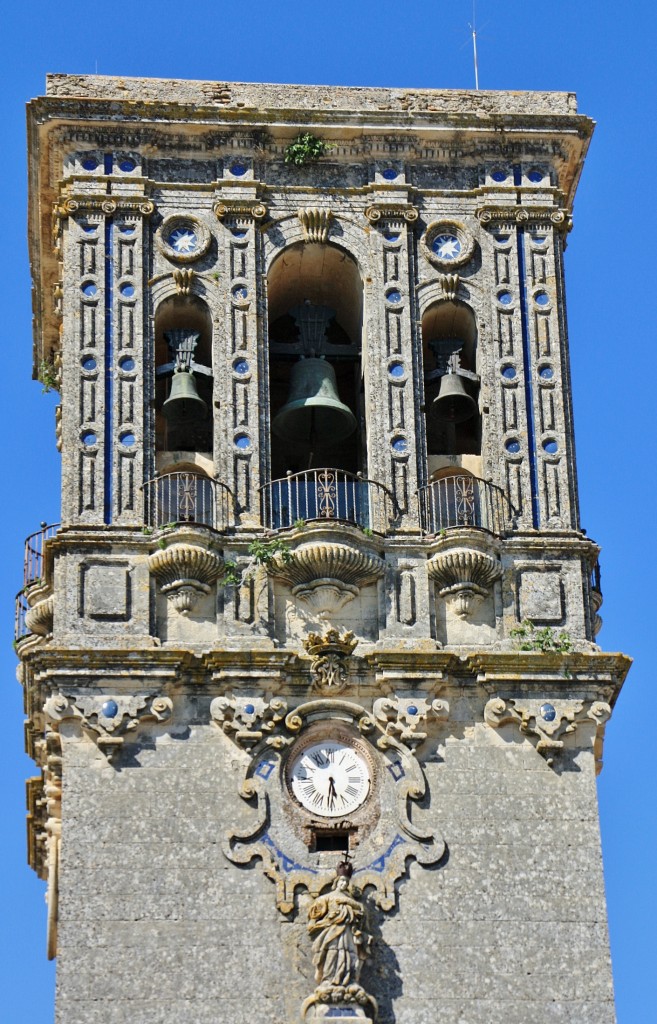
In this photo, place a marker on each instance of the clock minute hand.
(332, 792)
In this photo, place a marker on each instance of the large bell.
(453, 404)
(313, 412)
(184, 405)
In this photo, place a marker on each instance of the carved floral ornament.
(545, 722)
(106, 718)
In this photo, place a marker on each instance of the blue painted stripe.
(109, 371)
(529, 391)
(527, 360)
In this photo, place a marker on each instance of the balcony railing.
(327, 495)
(22, 608)
(455, 501)
(188, 498)
(34, 551)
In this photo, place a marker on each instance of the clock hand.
(332, 792)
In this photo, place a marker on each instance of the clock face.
(330, 778)
(446, 247)
(183, 240)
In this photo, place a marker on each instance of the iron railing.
(34, 552)
(596, 578)
(327, 494)
(188, 498)
(461, 500)
(22, 607)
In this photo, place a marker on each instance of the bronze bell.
(313, 412)
(453, 404)
(184, 404)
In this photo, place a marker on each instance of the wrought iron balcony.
(457, 501)
(327, 495)
(22, 608)
(35, 544)
(188, 498)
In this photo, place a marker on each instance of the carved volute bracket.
(240, 210)
(464, 568)
(327, 576)
(185, 572)
(389, 211)
(106, 718)
(545, 722)
(315, 222)
(521, 215)
(330, 654)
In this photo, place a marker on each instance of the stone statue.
(337, 924)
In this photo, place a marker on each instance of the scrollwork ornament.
(545, 722)
(247, 719)
(107, 718)
(406, 719)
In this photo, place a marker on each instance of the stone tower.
(309, 664)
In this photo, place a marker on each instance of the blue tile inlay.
(396, 769)
(548, 712)
(379, 864)
(264, 769)
(110, 709)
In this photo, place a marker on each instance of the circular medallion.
(183, 238)
(446, 247)
(448, 243)
(330, 777)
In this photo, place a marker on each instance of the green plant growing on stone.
(368, 531)
(299, 524)
(262, 553)
(306, 149)
(47, 377)
(527, 637)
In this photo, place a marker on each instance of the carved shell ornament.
(464, 576)
(328, 576)
(185, 572)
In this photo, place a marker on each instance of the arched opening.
(315, 298)
(449, 337)
(183, 381)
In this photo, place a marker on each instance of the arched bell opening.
(183, 380)
(453, 421)
(317, 408)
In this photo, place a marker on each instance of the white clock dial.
(330, 778)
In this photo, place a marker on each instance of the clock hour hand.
(332, 792)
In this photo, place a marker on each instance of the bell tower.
(310, 663)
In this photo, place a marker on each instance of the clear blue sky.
(606, 53)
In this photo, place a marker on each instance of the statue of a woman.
(338, 926)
